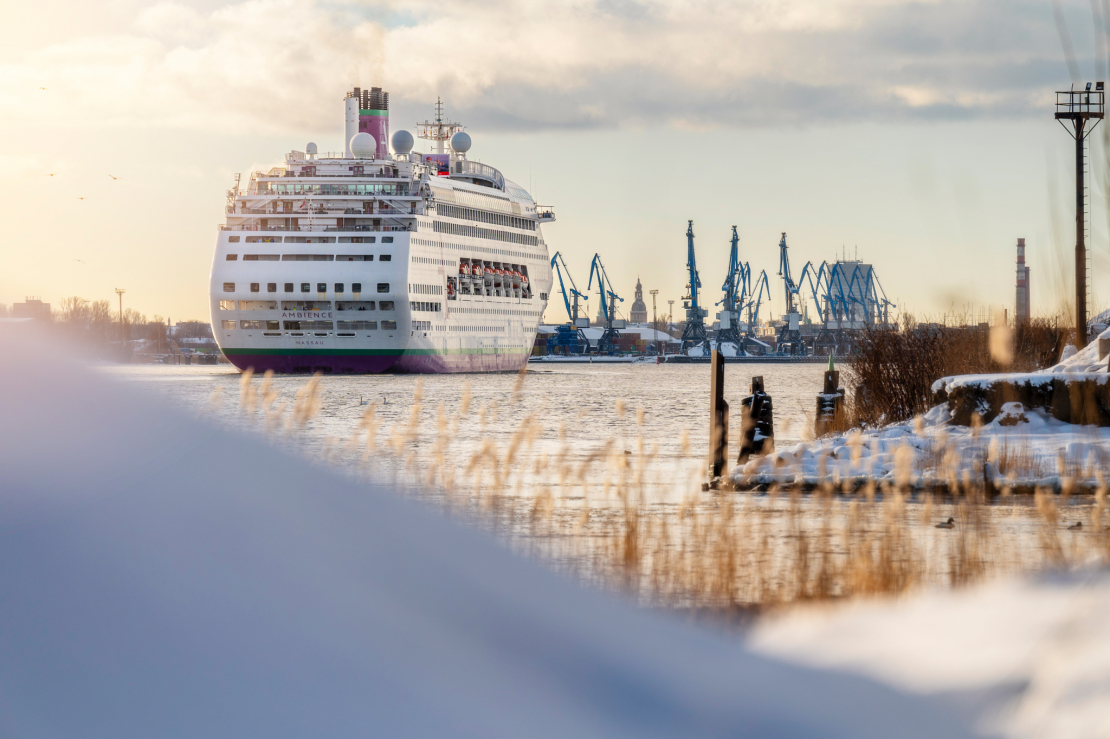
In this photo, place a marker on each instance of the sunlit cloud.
(281, 65)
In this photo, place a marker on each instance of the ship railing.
(256, 227)
(467, 168)
(318, 211)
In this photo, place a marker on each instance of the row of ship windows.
(276, 326)
(310, 257)
(493, 312)
(369, 188)
(306, 287)
(310, 325)
(424, 306)
(468, 248)
(472, 214)
(478, 232)
(307, 305)
(312, 239)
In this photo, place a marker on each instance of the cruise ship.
(364, 261)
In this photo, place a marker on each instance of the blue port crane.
(571, 296)
(736, 293)
(610, 337)
(694, 333)
(756, 292)
(569, 336)
(790, 337)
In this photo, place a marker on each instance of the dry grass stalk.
(593, 513)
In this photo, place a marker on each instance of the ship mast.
(440, 130)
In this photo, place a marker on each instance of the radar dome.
(363, 146)
(402, 142)
(460, 142)
(310, 149)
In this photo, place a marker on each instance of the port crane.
(610, 337)
(789, 339)
(756, 292)
(694, 333)
(570, 334)
(736, 293)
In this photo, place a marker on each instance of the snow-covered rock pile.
(1076, 390)
(1021, 449)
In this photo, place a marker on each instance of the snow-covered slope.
(164, 578)
(1086, 360)
(1036, 651)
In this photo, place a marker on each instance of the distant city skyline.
(921, 134)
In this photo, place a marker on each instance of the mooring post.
(718, 419)
(758, 428)
(830, 403)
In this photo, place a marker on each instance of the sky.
(916, 135)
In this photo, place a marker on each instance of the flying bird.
(80, 198)
(51, 174)
(42, 88)
(113, 177)
(78, 260)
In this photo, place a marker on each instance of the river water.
(555, 460)
(576, 407)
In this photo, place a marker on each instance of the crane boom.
(735, 289)
(610, 337)
(694, 333)
(560, 266)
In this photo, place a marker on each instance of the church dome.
(638, 312)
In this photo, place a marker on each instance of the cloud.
(282, 65)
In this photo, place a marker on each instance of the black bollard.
(830, 405)
(718, 419)
(758, 429)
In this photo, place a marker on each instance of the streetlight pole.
(120, 292)
(655, 321)
(670, 315)
(1078, 108)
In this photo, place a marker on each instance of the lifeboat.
(516, 278)
(498, 276)
(450, 289)
(464, 269)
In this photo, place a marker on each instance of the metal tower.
(1074, 108)
(694, 333)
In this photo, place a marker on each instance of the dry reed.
(599, 514)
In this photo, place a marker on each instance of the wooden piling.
(718, 420)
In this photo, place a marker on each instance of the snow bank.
(902, 453)
(270, 598)
(1036, 651)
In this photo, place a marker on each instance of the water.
(576, 406)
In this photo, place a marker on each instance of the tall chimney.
(373, 118)
(1021, 314)
(350, 120)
